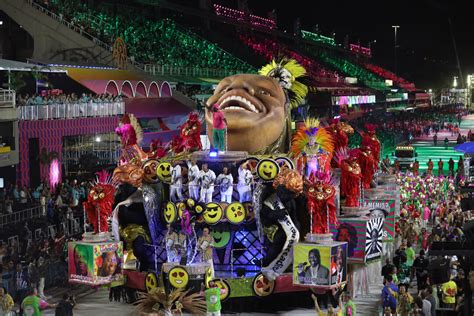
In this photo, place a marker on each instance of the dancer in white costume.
(176, 187)
(206, 181)
(226, 185)
(193, 176)
(244, 186)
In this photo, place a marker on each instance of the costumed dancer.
(176, 187)
(219, 126)
(368, 166)
(320, 194)
(206, 181)
(340, 131)
(350, 176)
(206, 245)
(99, 202)
(171, 239)
(193, 176)
(189, 138)
(131, 135)
(225, 181)
(312, 148)
(370, 140)
(280, 228)
(187, 229)
(244, 186)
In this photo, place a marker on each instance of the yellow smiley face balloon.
(213, 213)
(163, 171)
(178, 277)
(235, 213)
(170, 212)
(267, 169)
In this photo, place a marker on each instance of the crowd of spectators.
(271, 49)
(30, 261)
(410, 286)
(351, 69)
(44, 98)
(148, 41)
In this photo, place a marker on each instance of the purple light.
(312, 166)
(54, 173)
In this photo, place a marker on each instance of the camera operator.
(65, 306)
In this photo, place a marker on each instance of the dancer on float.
(244, 186)
(225, 181)
(193, 177)
(205, 247)
(176, 187)
(219, 127)
(207, 177)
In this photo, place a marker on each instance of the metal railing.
(7, 98)
(21, 216)
(69, 110)
(155, 69)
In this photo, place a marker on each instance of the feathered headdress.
(311, 129)
(287, 72)
(103, 177)
(129, 130)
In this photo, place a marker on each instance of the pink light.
(54, 173)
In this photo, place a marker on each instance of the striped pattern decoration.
(359, 225)
(50, 134)
(389, 206)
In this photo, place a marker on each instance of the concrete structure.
(56, 40)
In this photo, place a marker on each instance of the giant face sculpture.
(254, 107)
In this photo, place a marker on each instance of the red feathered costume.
(339, 132)
(370, 140)
(321, 207)
(190, 137)
(368, 166)
(350, 181)
(99, 206)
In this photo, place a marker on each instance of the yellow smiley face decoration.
(170, 212)
(178, 277)
(235, 213)
(151, 282)
(262, 286)
(223, 285)
(163, 171)
(267, 169)
(212, 213)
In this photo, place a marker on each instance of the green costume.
(31, 306)
(213, 299)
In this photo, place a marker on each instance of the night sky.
(425, 48)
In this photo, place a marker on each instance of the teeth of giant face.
(242, 100)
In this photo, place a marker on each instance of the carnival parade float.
(266, 211)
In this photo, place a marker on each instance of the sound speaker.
(438, 270)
